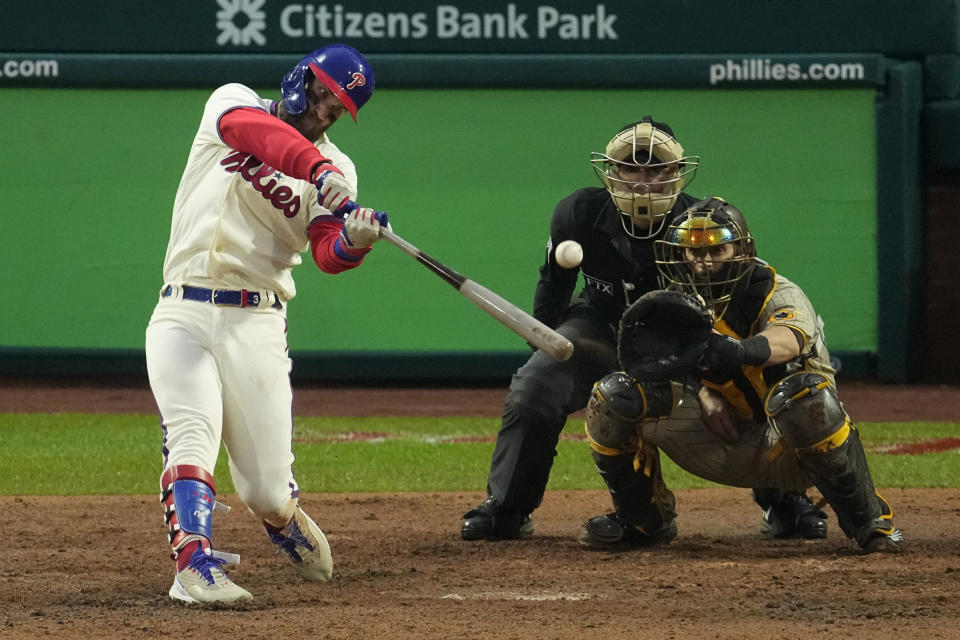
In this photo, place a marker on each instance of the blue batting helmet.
(341, 68)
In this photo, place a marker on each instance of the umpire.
(644, 171)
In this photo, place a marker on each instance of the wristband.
(345, 252)
(756, 350)
(322, 167)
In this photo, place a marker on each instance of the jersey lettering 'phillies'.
(237, 222)
(255, 172)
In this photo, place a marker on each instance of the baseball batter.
(263, 183)
(763, 412)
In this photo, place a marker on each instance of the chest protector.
(746, 389)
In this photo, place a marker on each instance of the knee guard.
(805, 410)
(188, 495)
(618, 404)
(812, 423)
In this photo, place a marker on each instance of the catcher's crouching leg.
(644, 509)
(812, 422)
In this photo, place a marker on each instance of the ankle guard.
(189, 499)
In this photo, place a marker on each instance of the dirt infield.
(95, 568)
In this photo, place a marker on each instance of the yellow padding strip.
(886, 516)
(826, 445)
(599, 448)
(643, 463)
(834, 440)
(806, 390)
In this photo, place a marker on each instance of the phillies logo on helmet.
(358, 80)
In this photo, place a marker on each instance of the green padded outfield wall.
(470, 176)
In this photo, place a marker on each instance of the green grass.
(105, 454)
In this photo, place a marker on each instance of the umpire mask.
(644, 169)
(706, 252)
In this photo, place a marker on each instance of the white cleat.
(305, 547)
(204, 582)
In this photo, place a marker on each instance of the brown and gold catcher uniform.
(759, 409)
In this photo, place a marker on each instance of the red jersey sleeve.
(328, 249)
(271, 140)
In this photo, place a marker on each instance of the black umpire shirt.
(617, 269)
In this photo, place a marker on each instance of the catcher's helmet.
(709, 223)
(341, 68)
(644, 169)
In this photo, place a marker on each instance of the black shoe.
(608, 533)
(880, 536)
(490, 521)
(794, 516)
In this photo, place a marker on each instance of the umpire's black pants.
(542, 394)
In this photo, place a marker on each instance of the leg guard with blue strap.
(188, 494)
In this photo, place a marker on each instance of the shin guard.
(636, 486)
(813, 425)
(842, 476)
(188, 495)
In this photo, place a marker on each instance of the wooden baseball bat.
(514, 318)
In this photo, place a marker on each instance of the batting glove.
(333, 190)
(361, 228)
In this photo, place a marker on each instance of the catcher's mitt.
(662, 335)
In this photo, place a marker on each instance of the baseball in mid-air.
(569, 254)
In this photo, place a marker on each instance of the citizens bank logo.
(241, 22)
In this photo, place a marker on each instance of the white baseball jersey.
(238, 223)
(220, 372)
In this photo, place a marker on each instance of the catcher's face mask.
(644, 169)
(706, 252)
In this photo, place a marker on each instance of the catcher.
(739, 391)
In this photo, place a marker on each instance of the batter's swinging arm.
(514, 318)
